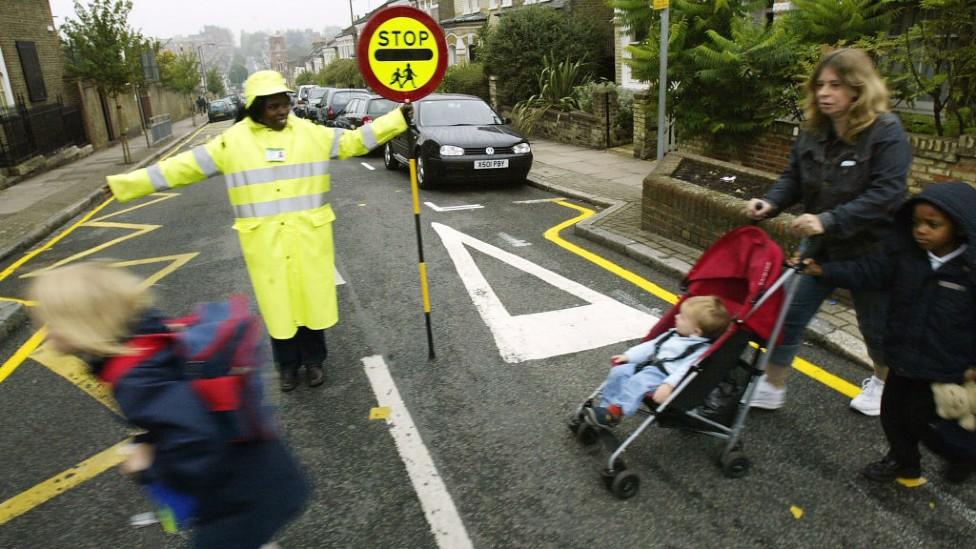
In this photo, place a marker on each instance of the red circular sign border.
(363, 53)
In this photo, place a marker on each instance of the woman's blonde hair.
(856, 70)
(708, 312)
(90, 306)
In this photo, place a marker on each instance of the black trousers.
(907, 415)
(305, 347)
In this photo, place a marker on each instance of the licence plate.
(490, 164)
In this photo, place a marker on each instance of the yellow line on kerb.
(62, 482)
(808, 368)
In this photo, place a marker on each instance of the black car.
(460, 138)
(363, 109)
(333, 103)
(305, 108)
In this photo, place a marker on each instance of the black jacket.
(931, 327)
(855, 188)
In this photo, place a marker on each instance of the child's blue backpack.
(222, 347)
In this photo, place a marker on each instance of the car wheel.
(424, 179)
(388, 160)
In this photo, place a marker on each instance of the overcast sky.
(166, 18)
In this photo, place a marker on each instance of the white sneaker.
(767, 396)
(868, 402)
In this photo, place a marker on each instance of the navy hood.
(957, 199)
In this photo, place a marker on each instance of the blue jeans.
(627, 389)
(871, 307)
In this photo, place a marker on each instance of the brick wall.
(582, 128)
(935, 158)
(28, 21)
(645, 125)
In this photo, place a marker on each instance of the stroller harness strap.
(659, 363)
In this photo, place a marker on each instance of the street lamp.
(203, 64)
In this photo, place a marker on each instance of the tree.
(215, 84)
(515, 48)
(180, 73)
(304, 78)
(341, 73)
(100, 46)
(238, 74)
(834, 22)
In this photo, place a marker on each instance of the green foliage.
(838, 21)
(941, 39)
(341, 73)
(730, 76)
(237, 74)
(519, 43)
(468, 78)
(555, 83)
(180, 73)
(99, 45)
(215, 84)
(305, 78)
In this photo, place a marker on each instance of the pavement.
(611, 179)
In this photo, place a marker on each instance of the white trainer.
(868, 402)
(767, 396)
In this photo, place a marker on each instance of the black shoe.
(888, 470)
(314, 375)
(957, 473)
(288, 380)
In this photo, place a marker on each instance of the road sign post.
(662, 79)
(403, 56)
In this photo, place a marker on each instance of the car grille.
(481, 150)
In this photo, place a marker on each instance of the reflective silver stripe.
(206, 163)
(157, 178)
(369, 136)
(337, 134)
(284, 205)
(274, 173)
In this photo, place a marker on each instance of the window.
(6, 96)
(32, 71)
(471, 6)
(506, 3)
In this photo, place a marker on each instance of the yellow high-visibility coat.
(277, 182)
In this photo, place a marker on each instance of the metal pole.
(203, 68)
(421, 265)
(662, 84)
(355, 38)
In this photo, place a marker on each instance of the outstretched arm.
(181, 170)
(346, 143)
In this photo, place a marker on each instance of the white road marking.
(339, 281)
(537, 200)
(518, 243)
(953, 503)
(435, 500)
(367, 166)
(437, 208)
(551, 333)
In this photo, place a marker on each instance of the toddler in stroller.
(659, 364)
(734, 295)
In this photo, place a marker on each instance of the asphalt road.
(518, 345)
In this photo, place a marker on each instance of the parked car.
(221, 109)
(300, 104)
(363, 109)
(314, 96)
(460, 138)
(334, 103)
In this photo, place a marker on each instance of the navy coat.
(930, 332)
(245, 491)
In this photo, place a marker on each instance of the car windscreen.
(315, 95)
(457, 112)
(340, 99)
(380, 106)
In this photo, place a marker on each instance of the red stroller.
(745, 268)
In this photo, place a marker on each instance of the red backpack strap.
(143, 347)
(222, 394)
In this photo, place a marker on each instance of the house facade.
(31, 62)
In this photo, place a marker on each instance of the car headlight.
(521, 148)
(451, 150)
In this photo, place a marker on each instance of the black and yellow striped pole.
(421, 265)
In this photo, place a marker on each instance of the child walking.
(659, 364)
(928, 266)
(243, 492)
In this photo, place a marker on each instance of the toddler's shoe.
(868, 402)
(888, 470)
(767, 396)
(600, 417)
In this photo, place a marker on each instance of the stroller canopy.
(738, 268)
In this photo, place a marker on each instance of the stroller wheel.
(625, 484)
(735, 464)
(587, 434)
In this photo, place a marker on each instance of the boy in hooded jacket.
(928, 265)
